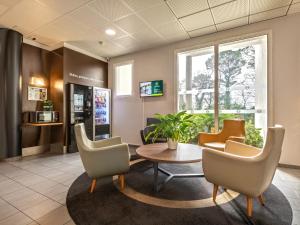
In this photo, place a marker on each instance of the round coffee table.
(160, 153)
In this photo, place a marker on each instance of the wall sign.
(37, 93)
(85, 78)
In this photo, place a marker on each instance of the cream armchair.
(102, 158)
(244, 169)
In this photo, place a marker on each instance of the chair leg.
(249, 206)
(261, 200)
(122, 181)
(93, 185)
(215, 192)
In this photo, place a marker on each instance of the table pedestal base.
(158, 186)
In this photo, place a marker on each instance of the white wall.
(129, 113)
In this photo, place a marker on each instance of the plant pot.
(172, 144)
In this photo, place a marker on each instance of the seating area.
(149, 112)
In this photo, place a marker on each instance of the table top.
(185, 153)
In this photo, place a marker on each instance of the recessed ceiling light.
(110, 32)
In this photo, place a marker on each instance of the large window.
(123, 79)
(225, 81)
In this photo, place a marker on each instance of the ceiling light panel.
(268, 15)
(183, 8)
(232, 24)
(111, 9)
(295, 8)
(131, 24)
(198, 20)
(138, 5)
(203, 31)
(257, 6)
(29, 15)
(157, 15)
(231, 11)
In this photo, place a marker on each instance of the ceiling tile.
(257, 6)
(268, 15)
(187, 7)
(147, 36)
(295, 8)
(203, 31)
(28, 15)
(111, 9)
(3, 8)
(233, 23)
(9, 3)
(91, 18)
(171, 29)
(63, 6)
(127, 42)
(231, 11)
(157, 15)
(198, 20)
(138, 5)
(213, 3)
(95, 21)
(131, 24)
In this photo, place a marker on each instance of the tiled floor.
(33, 190)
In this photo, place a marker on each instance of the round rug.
(182, 201)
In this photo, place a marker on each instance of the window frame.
(124, 63)
(216, 44)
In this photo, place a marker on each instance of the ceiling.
(139, 24)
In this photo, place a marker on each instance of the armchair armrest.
(241, 149)
(107, 142)
(109, 160)
(237, 139)
(207, 137)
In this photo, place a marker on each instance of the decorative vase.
(172, 144)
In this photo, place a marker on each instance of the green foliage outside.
(253, 136)
(184, 127)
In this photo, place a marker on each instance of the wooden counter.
(42, 124)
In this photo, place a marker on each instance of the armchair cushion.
(241, 149)
(215, 145)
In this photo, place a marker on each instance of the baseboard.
(288, 166)
(35, 150)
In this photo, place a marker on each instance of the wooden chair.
(232, 130)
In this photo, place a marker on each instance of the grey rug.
(110, 207)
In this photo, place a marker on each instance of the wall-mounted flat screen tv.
(152, 88)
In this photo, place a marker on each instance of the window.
(231, 85)
(123, 79)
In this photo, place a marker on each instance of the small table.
(160, 153)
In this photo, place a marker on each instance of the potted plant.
(175, 127)
(47, 105)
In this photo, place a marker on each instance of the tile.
(16, 219)
(198, 20)
(9, 186)
(30, 179)
(6, 210)
(58, 216)
(41, 209)
(24, 198)
(3, 178)
(43, 186)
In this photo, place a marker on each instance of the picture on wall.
(37, 93)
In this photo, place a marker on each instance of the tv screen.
(151, 88)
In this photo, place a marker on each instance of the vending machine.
(102, 124)
(90, 106)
